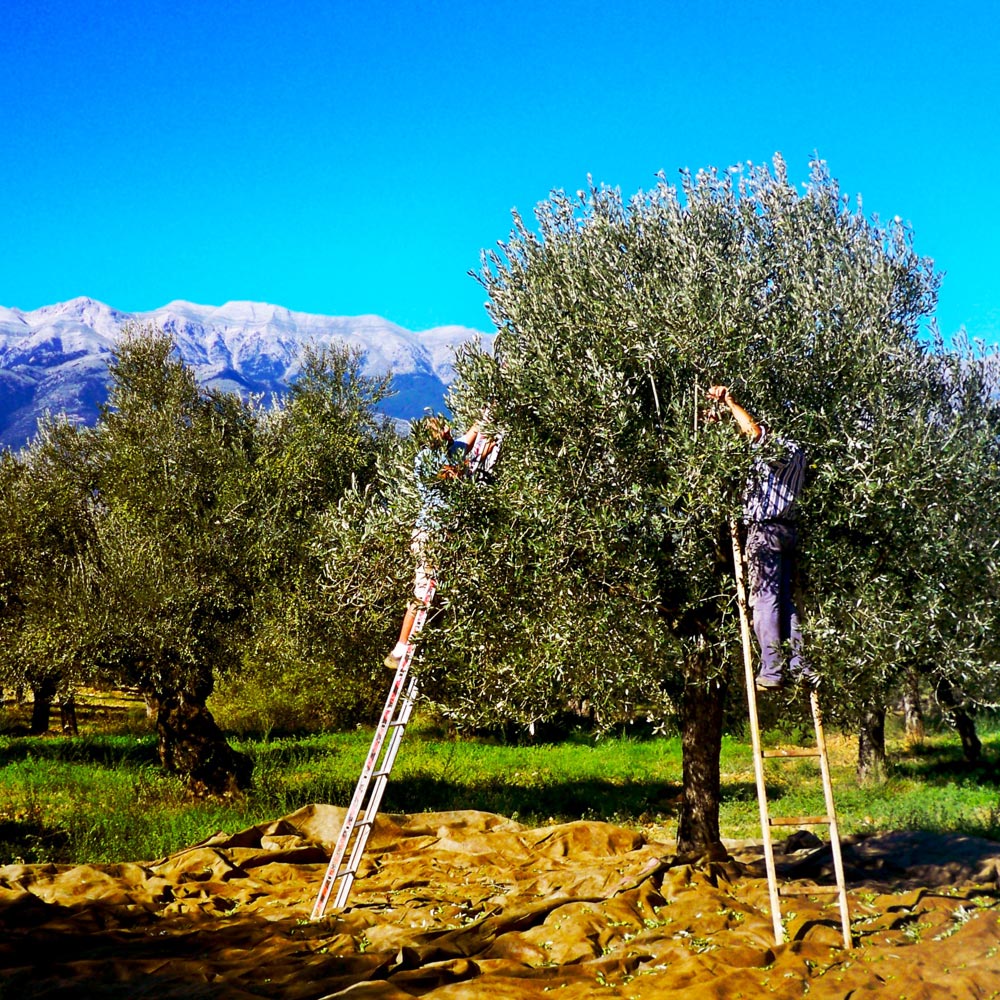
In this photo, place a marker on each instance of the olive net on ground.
(468, 904)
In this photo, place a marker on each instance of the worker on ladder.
(442, 458)
(769, 513)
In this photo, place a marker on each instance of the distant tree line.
(172, 546)
(193, 540)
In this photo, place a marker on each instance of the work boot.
(769, 683)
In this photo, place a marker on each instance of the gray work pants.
(771, 563)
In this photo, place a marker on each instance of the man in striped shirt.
(769, 514)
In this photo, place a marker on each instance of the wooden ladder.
(767, 822)
(363, 809)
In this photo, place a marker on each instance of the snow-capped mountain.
(55, 358)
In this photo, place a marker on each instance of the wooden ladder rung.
(799, 820)
(811, 890)
(794, 752)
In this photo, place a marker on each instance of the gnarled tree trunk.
(964, 723)
(41, 707)
(701, 742)
(191, 745)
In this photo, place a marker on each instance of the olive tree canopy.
(596, 567)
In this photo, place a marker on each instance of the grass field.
(101, 796)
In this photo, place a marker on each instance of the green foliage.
(296, 678)
(173, 543)
(903, 530)
(322, 440)
(597, 566)
(49, 520)
(305, 664)
(165, 574)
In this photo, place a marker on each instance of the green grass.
(101, 797)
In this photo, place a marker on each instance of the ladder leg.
(830, 819)
(838, 864)
(758, 761)
(378, 787)
(334, 869)
(368, 793)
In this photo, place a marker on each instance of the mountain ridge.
(54, 359)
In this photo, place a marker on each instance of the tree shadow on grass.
(28, 841)
(110, 751)
(289, 751)
(560, 801)
(946, 764)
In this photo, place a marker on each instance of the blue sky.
(348, 158)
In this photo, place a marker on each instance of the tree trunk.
(67, 713)
(41, 708)
(871, 746)
(701, 742)
(191, 745)
(913, 714)
(964, 723)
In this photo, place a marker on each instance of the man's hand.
(746, 423)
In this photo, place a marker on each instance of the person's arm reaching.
(744, 421)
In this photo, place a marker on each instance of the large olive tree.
(168, 576)
(597, 566)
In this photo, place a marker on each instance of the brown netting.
(466, 904)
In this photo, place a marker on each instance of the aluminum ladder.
(767, 822)
(360, 818)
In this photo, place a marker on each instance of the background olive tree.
(303, 665)
(169, 577)
(49, 522)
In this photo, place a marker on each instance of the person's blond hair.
(433, 432)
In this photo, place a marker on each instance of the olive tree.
(45, 492)
(300, 665)
(168, 586)
(597, 565)
(903, 536)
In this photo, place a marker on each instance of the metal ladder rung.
(354, 832)
(799, 820)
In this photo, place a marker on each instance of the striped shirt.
(775, 480)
